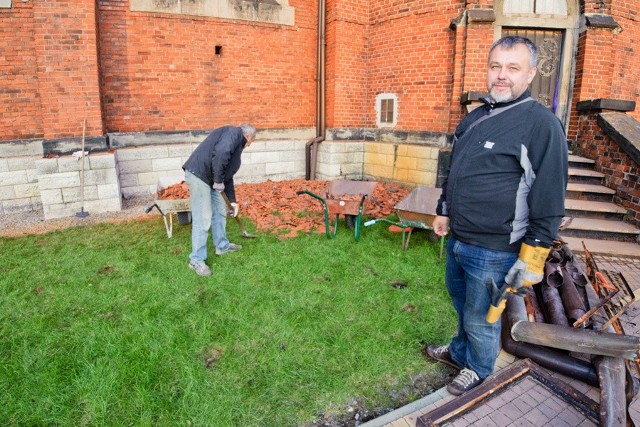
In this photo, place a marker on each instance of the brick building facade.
(139, 69)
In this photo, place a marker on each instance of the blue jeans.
(208, 211)
(468, 271)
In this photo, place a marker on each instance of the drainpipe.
(311, 147)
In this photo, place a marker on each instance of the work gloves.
(218, 186)
(233, 211)
(527, 271)
(529, 268)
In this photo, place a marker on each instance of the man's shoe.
(231, 248)
(200, 269)
(441, 354)
(465, 381)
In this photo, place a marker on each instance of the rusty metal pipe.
(551, 359)
(612, 378)
(580, 340)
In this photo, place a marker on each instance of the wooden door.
(546, 83)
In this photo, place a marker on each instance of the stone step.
(602, 247)
(593, 209)
(580, 162)
(583, 191)
(587, 176)
(592, 228)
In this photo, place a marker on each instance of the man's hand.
(234, 209)
(218, 186)
(441, 225)
(529, 268)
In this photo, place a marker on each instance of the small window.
(6, 4)
(386, 110)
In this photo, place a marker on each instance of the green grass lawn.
(106, 326)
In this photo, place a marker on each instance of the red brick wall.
(410, 56)
(19, 99)
(67, 72)
(346, 63)
(161, 72)
(621, 172)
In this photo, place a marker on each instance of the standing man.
(503, 201)
(209, 171)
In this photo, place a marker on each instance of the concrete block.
(140, 153)
(134, 166)
(182, 150)
(104, 205)
(47, 166)
(254, 170)
(427, 165)
(7, 192)
(13, 178)
(30, 189)
(280, 167)
(265, 157)
(19, 205)
(59, 180)
(102, 161)
(167, 164)
(20, 163)
(108, 191)
(129, 180)
(72, 164)
(4, 165)
(352, 170)
(149, 178)
(71, 195)
(136, 191)
(51, 197)
(403, 162)
(100, 176)
(61, 210)
(32, 175)
(21, 148)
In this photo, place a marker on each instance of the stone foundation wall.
(60, 183)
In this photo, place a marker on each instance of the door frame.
(569, 25)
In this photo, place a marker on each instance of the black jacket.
(507, 178)
(217, 158)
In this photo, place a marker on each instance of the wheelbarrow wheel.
(350, 220)
(184, 218)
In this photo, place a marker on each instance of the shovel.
(243, 231)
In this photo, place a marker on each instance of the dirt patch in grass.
(355, 412)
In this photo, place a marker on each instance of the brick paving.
(528, 402)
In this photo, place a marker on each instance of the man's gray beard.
(501, 97)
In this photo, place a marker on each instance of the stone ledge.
(595, 20)
(623, 129)
(606, 104)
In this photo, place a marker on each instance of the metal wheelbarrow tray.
(417, 210)
(344, 197)
(168, 207)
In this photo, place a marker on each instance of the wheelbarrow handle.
(155, 205)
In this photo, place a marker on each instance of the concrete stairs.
(592, 218)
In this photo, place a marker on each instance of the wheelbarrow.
(167, 207)
(344, 197)
(417, 210)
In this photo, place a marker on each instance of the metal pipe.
(551, 359)
(311, 147)
(611, 375)
(580, 340)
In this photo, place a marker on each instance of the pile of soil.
(274, 206)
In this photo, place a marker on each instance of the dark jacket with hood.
(507, 178)
(217, 158)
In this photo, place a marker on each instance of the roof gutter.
(311, 147)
